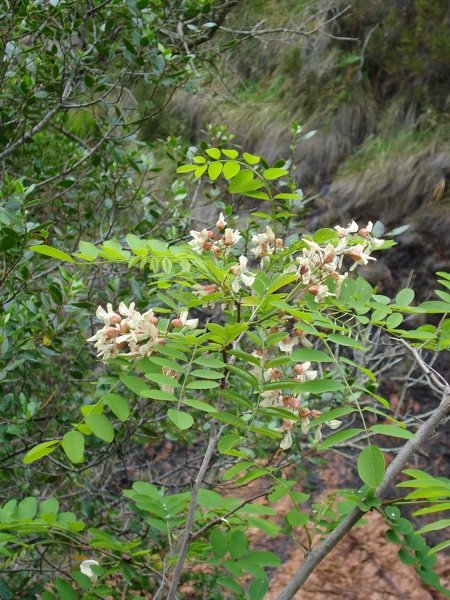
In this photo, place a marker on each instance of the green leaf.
(235, 470)
(242, 177)
(237, 544)
(230, 169)
(258, 588)
(405, 297)
(268, 527)
(318, 386)
(27, 508)
(88, 249)
(280, 282)
(270, 174)
(199, 405)
(218, 543)
(73, 446)
(100, 426)
(209, 362)
(214, 170)
(251, 159)
(325, 235)
(441, 524)
(435, 307)
(232, 419)
(344, 340)
(161, 379)
(229, 583)
(65, 589)
(53, 252)
(393, 430)
(339, 437)
(51, 505)
(158, 395)
(264, 558)
(206, 374)
(230, 153)
(181, 419)
(440, 546)
(297, 518)
(310, 355)
(186, 168)
(363, 289)
(348, 289)
(213, 153)
(333, 414)
(199, 171)
(371, 466)
(392, 537)
(201, 384)
(405, 557)
(135, 384)
(39, 451)
(432, 509)
(227, 442)
(394, 320)
(118, 405)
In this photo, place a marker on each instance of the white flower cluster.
(129, 333)
(317, 263)
(294, 404)
(207, 240)
(265, 243)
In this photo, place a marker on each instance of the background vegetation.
(99, 103)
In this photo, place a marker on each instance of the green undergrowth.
(381, 149)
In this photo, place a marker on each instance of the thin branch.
(316, 556)
(37, 128)
(218, 520)
(191, 512)
(363, 51)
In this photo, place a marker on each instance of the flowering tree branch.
(424, 432)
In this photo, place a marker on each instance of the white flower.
(221, 223)
(359, 256)
(333, 423)
(200, 239)
(286, 344)
(230, 237)
(188, 323)
(286, 442)
(304, 373)
(85, 568)
(109, 316)
(305, 425)
(241, 274)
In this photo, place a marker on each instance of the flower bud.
(304, 413)
(110, 331)
(315, 413)
(177, 322)
(115, 318)
(207, 246)
(275, 374)
(211, 288)
(364, 233)
(314, 290)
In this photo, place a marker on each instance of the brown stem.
(316, 556)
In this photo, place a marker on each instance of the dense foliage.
(229, 351)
